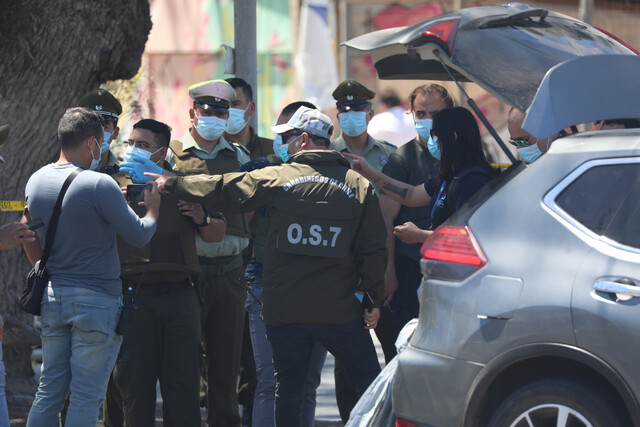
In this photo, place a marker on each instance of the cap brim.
(352, 105)
(281, 128)
(214, 107)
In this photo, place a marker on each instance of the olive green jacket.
(326, 235)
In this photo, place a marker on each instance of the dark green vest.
(171, 254)
(226, 161)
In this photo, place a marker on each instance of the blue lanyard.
(444, 183)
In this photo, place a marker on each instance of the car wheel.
(555, 402)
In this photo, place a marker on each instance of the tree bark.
(51, 54)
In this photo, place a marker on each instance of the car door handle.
(617, 288)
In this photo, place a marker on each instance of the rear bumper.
(431, 389)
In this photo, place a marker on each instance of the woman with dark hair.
(463, 170)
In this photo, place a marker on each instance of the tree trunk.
(51, 53)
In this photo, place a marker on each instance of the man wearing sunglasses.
(529, 148)
(163, 340)
(326, 240)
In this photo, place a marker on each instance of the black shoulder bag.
(38, 278)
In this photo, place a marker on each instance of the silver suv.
(530, 309)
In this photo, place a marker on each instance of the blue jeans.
(263, 401)
(292, 346)
(79, 350)
(4, 413)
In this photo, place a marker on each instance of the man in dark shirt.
(411, 163)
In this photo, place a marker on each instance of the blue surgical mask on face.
(94, 162)
(236, 120)
(353, 123)
(105, 144)
(211, 127)
(530, 154)
(434, 150)
(281, 150)
(423, 128)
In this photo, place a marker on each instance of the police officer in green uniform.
(326, 240)
(353, 101)
(104, 103)
(163, 340)
(204, 149)
(238, 128)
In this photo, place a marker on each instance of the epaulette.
(387, 143)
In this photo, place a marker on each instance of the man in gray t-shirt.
(81, 305)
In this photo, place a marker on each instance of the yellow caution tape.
(12, 205)
(500, 165)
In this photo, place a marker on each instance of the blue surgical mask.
(423, 128)
(353, 123)
(94, 162)
(211, 127)
(236, 120)
(281, 150)
(105, 144)
(530, 154)
(134, 152)
(434, 150)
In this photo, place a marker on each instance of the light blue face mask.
(281, 150)
(211, 127)
(353, 123)
(530, 154)
(434, 150)
(423, 128)
(94, 162)
(236, 120)
(105, 144)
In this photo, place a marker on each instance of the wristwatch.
(206, 221)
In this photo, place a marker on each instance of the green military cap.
(213, 95)
(351, 95)
(102, 102)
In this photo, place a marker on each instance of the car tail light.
(403, 423)
(453, 244)
(445, 31)
(619, 40)
(452, 253)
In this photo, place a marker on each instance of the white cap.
(307, 120)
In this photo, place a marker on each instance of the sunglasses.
(285, 136)
(523, 141)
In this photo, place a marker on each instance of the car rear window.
(606, 199)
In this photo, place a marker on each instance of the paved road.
(327, 414)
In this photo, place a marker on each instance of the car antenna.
(476, 110)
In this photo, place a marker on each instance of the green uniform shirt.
(231, 244)
(326, 236)
(257, 146)
(376, 152)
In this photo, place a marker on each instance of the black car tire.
(541, 400)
